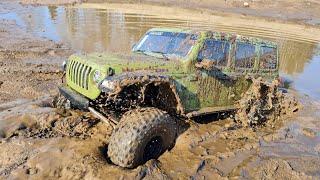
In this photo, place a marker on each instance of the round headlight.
(107, 85)
(97, 76)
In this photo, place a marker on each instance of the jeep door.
(213, 81)
(222, 83)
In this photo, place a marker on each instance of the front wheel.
(142, 134)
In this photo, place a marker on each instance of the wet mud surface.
(29, 66)
(38, 141)
(55, 143)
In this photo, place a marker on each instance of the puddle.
(306, 81)
(116, 29)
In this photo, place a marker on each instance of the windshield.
(170, 43)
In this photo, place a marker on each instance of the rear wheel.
(142, 134)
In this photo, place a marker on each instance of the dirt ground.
(38, 141)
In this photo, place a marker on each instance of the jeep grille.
(79, 74)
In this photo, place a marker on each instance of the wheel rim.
(153, 148)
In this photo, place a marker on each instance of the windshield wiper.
(143, 52)
(164, 55)
(151, 53)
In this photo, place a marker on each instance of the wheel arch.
(155, 90)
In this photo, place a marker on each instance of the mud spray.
(263, 104)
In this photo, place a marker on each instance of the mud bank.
(51, 2)
(287, 10)
(305, 12)
(287, 30)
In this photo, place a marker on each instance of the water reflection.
(294, 56)
(53, 12)
(308, 80)
(90, 30)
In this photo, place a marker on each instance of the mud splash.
(264, 104)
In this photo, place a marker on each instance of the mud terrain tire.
(142, 134)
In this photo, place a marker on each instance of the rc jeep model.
(171, 74)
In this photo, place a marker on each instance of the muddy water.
(116, 28)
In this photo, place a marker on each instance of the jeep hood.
(129, 62)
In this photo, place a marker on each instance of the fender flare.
(142, 78)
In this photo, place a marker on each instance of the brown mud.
(38, 141)
(54, 143)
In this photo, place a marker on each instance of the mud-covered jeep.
(172, 74)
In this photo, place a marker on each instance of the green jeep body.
(188, 85)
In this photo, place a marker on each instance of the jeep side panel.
(235, 59)
(217, 87)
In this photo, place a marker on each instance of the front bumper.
(76, 100)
